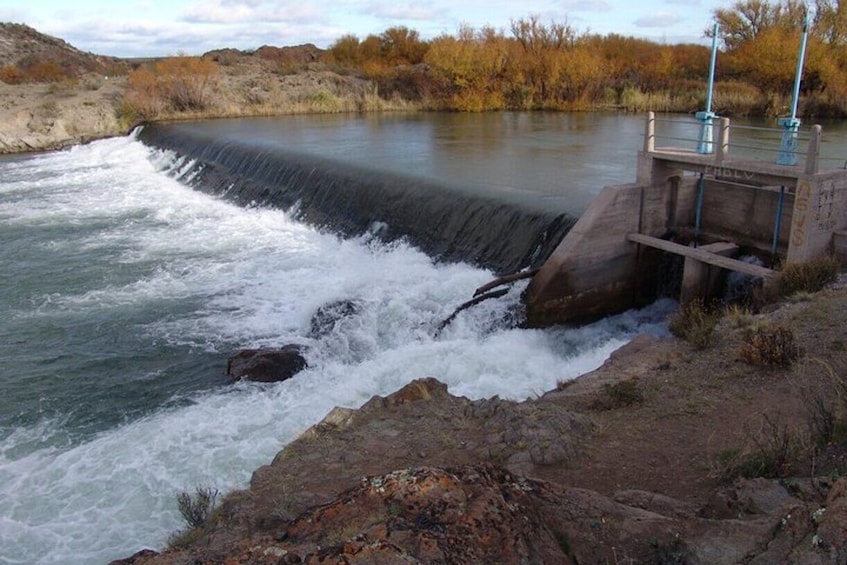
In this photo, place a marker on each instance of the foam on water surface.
(166, 282)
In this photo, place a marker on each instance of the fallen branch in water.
(468, 304)
(504, 280)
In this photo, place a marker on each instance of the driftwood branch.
(505, 279)
(468, 304)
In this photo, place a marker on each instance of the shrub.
(695, 323)
(770, 346)
(11, 74)
(45, 71)
(175, 84)
(42, 71)
(810, 276)
(197, 508)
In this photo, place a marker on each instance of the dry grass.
(810, 276)
(695, 323)
(769, 453)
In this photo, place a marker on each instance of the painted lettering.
(726, 172)
(801, 205)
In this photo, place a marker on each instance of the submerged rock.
(137, 558)
(267, 365)
(327, 316)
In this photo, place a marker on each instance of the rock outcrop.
(474, 500)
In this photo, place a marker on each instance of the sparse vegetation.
(621, 394)
(827, 406)
(739, 316)
(770, 454)
(672, 552)
(695, 323)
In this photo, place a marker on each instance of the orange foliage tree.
(550, 66)
(175, 84)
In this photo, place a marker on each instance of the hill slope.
(23, 47)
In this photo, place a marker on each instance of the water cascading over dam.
(447, 222)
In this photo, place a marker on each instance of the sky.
(151, 28)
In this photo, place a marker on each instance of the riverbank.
(39, 117)
(53, 95)
(666, 454)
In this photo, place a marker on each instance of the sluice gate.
(710, 208)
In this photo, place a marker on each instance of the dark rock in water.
(327, 316)
(740, 288)
(138, 557)
(266, 365)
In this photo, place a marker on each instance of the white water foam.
(258, 277)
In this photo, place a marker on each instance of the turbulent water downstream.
(122, 292)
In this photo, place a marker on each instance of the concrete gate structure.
(708, 208)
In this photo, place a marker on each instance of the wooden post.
(650, 133)
(698, 278)
(723, 142)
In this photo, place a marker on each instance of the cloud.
(147, 38)
(659, 19)
(396, 11)
(12, 14)
(249, 11)
(585, 5)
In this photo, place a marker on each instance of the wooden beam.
(702, 255)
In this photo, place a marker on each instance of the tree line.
(536, 65)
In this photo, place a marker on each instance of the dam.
(708, 208)
(704, 214)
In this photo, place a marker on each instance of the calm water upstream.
(123, 290)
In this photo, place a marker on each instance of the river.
(124, 289)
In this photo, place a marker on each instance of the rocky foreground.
(638, 462)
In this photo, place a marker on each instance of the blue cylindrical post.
(791, 125)
(705, 145)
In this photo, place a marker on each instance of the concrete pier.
(708, 208)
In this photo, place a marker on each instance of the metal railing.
(742, 142)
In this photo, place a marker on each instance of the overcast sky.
(137, 28)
